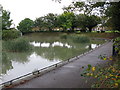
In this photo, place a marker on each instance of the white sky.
(32, 9)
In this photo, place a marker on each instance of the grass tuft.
(18, 45)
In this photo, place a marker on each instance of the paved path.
(68, 76)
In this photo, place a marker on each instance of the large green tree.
(81, 7)
(50, 21)
(6, 21)
(26, 25)
(113, 12)
(66, 20)
(87, 22)
(91, 21)
(39, 22)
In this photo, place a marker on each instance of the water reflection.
(6, 64)
(92, 46)
(39, 44)
(46, 51)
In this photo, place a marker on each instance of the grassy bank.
(17, 45)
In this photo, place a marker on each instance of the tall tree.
(91, 21)
(113, 12)
(39, 22)
(66, 20)
(6, 21)
(81, 7)
(26, 25)
(50, 21)
(87, 22)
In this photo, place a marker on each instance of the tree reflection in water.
(47, 49)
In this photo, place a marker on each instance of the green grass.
(79, 38)
(17, 45)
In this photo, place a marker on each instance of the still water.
(48, 49)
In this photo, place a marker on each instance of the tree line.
(67, 21)
(109, 15)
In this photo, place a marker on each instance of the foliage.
(84, 7)
(26, 25)
(39, 22)
(113, 12)
(47, 22)
(91, 21)
(80, 39)
(6, 21)
(85, 21)
(10, 34)
(50, 21)
(18, 45)
(116, 46)
(66, 20)
(6, 63)
(109, 76)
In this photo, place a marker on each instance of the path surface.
(68, 76)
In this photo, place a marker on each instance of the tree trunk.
(50, 29)
(90, 29)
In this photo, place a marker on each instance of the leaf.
(89, 66)
(118, 81)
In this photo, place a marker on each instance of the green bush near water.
(10, 34)
(18, 45)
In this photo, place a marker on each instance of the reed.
(17, 45)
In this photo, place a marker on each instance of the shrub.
(116, 46)
(108, 76)
(18, 45)
(10, 34)
(80, 39)
(25, 26)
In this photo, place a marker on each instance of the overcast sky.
(32, 9)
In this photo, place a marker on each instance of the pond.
(48, 49)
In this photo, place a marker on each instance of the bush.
(18, 45)
(80, 39)
(10, 34)
(25, 26)
(116, 46)
(108, 76)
